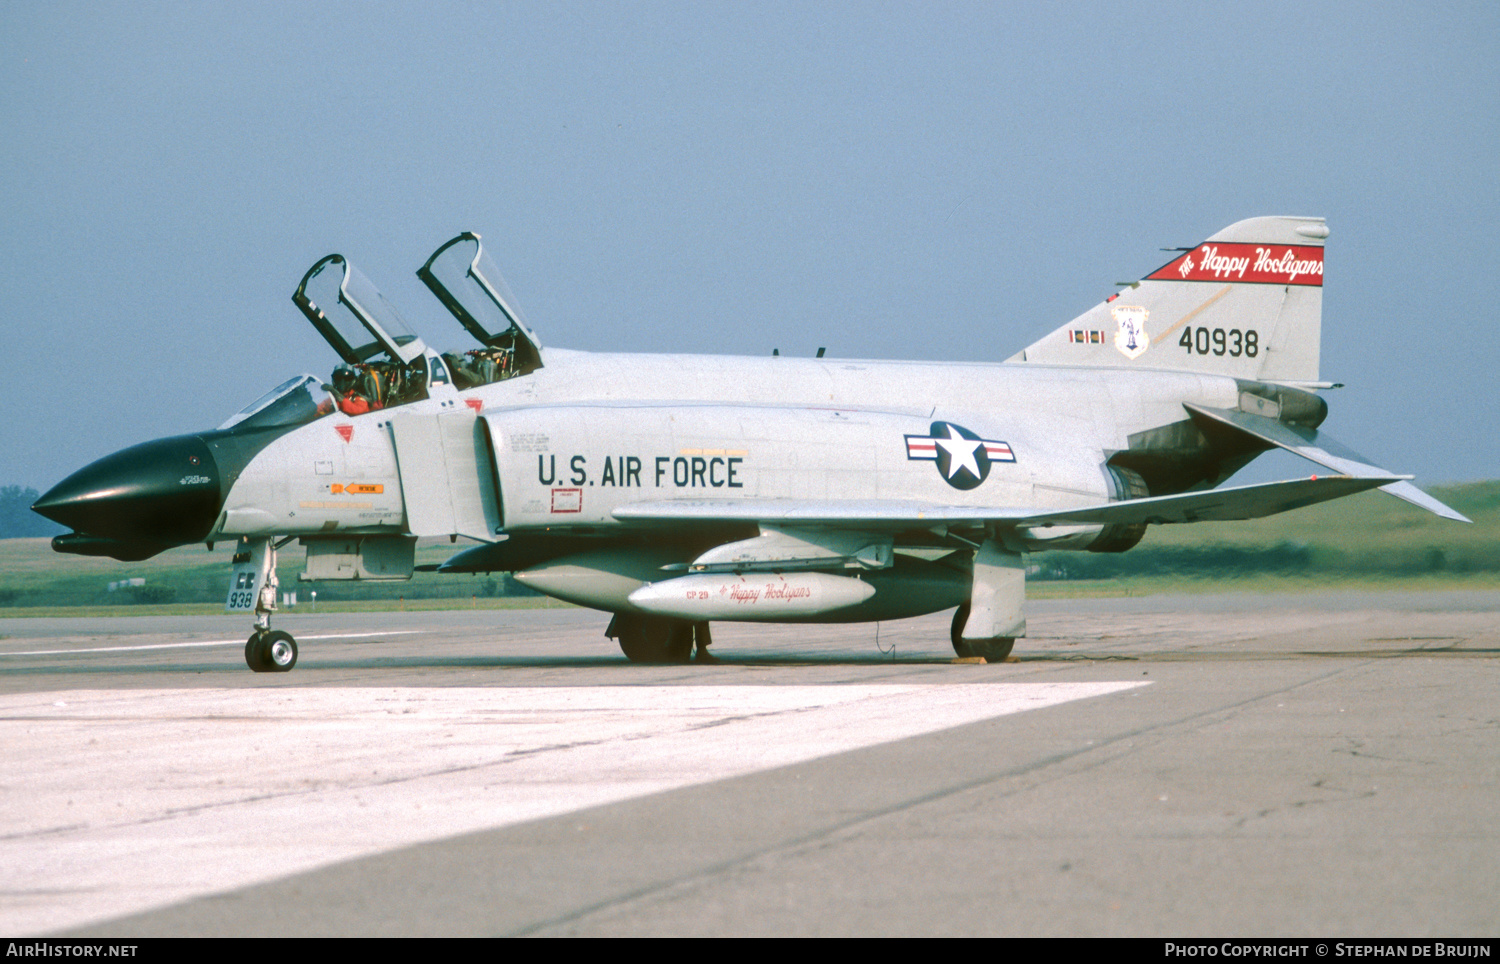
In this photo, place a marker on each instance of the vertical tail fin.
(1247, 303)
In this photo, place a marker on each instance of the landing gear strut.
(988, 624)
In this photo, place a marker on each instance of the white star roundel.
(963, 458)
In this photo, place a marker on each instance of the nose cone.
(163, 493)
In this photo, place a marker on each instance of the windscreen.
(293, 402)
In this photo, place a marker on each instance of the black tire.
(271, 652)
(993, 650)
(654, 639)
(256, 656)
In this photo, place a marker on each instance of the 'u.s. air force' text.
(682, 472)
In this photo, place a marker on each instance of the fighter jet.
(672, 491)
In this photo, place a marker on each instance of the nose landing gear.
(253, 583)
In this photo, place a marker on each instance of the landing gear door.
(353, 315)
(248, 576)
(469, 285)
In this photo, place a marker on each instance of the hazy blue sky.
(890, 180)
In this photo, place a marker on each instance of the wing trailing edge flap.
(877, 515)
(1317, 447)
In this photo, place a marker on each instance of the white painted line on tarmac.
(206, 642)
(116, 801)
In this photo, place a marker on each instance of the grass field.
(1368, 541)
(1370, 536)
(33, 577)
(1365, 524)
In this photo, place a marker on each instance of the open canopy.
(353, 315)
(470, 286)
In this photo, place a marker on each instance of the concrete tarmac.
(1232, 765)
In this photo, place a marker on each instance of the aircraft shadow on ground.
(312, 669)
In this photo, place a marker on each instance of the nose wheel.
(271, 652)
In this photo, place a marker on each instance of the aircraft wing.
(1317, 447)
(1215, 505)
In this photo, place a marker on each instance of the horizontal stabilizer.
(1220, 505)
(1317, 447)
(1216, 505)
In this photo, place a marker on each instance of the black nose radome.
(159, 494)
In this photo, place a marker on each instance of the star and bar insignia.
(963, 458)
